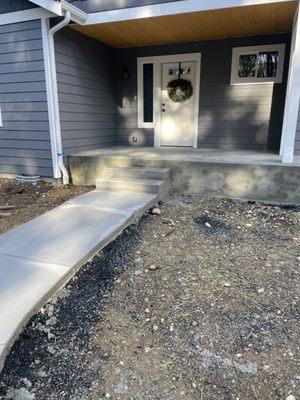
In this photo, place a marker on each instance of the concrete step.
(132, 162)
(137, 173)
(133, 185)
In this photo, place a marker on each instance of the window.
(257, 64)
(145, 98)
(183, 71)
(148, 92)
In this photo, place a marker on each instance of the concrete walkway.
(37, 258)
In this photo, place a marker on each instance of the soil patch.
(30, 201)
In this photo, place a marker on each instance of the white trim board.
(176, 7)
(25, 15)
(291, 109)
(50, 5)
(157, 62)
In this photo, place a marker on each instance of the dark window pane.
(148, 92)
(267, 64)
(247, 65)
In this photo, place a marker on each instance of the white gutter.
(69, 12)
(77, 15)
(59, 150)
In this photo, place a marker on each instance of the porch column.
(292, 95)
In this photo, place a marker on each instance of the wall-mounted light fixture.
(125, 73)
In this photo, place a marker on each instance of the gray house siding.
(24, 138)
(105, 5)
(7, 6)
(86, 92)
(230, 117)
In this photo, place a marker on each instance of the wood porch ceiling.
(197, 26)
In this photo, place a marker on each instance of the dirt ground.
(31, 201)
(200, 302)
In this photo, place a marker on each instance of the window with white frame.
(257, 64)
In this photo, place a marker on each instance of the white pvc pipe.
(52, 31)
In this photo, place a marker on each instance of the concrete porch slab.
(247, 175)
(39, 257)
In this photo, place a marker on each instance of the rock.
(155, 328)
(147, 311)
(50, 336)
(298, 258)
(27, 382)
(120, 389)
(290, 397)
(51, 321)
(107, 395)
(50, 350)
(172, 328)
(147, 349)
(20, 394)
(156, 211)
(50, 310)
(227, 284)
(207, 225)
(152, 267)
(121, 363)
(42, 374)
(260, 290)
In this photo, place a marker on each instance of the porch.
(243, 174)
(121, 97)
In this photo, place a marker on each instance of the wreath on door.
(179, 90)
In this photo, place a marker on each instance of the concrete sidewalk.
(37, 258)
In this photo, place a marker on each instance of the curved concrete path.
(39, 257)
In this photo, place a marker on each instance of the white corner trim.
(288, 155)
(237, 51)
(176, 7)
(157, 62)
(50, 103)
(50, 5)
(291, 109)
(25, 15)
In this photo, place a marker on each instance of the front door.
(178, 118)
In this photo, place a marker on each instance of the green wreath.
(180, 90)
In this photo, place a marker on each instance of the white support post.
(292, 96)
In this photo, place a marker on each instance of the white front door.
(178, 119)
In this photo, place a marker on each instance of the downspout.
(60, 154)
